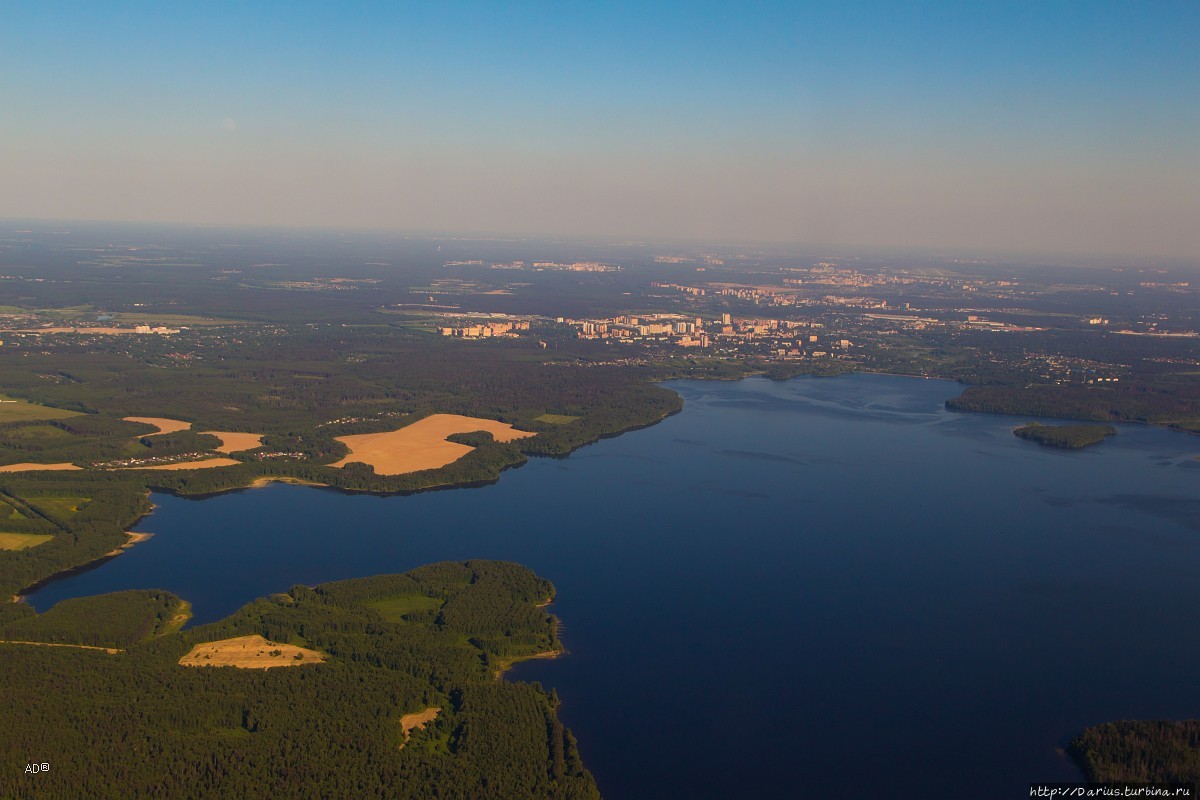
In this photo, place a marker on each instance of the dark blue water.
(821, 588)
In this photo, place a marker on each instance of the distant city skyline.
(1015, 126)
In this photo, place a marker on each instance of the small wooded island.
(1071, 437)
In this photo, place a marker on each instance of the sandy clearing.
(134, 538)
(421, 445)
(206, 463)
(163, 424)
(232, 442)
(36, 467)
(249, 652)
(267, 480)
(417, 721)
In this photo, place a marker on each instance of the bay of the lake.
(825, 587)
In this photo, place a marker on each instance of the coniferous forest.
(135, 723)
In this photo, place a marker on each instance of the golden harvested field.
(421, 445)
(412, 722)
(35, 467)
(22, 541)
(163, 424)
(236, 442)
(207, 463)
(249, 652)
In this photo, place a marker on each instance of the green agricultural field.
(8, 511)
(35, 432)
(22, 541)
(59, 505)
(393, 609)
(12, 410)
(555, 419)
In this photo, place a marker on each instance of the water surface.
(824, 587)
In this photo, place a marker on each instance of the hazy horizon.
(1056, 128)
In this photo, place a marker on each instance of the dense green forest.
(1140, 751)
(137, 724)
(116, 620)
(1071, 437)
(106, 503)
(1175, 403)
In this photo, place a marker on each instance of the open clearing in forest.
(249, 652)
(232, 442)
(19, 411)
(163, 424)
(555, 419)
(36, 467)
(9, 511)
(421, 445)
(183, 612)
(59, 505)
(412, 722)
(22, 541)
(393, 609)
(36, 433)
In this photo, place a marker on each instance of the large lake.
(824, 587)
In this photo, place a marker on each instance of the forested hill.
(138, 724)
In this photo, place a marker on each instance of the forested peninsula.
(133, 721)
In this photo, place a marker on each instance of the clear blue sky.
(1069, 126)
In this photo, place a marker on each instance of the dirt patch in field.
(417, 721)
(207, 463)
(36, 467)
(421, 445)
(232, 442)
(249, 652)
(163, 424)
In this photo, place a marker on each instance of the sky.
(973, 125)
